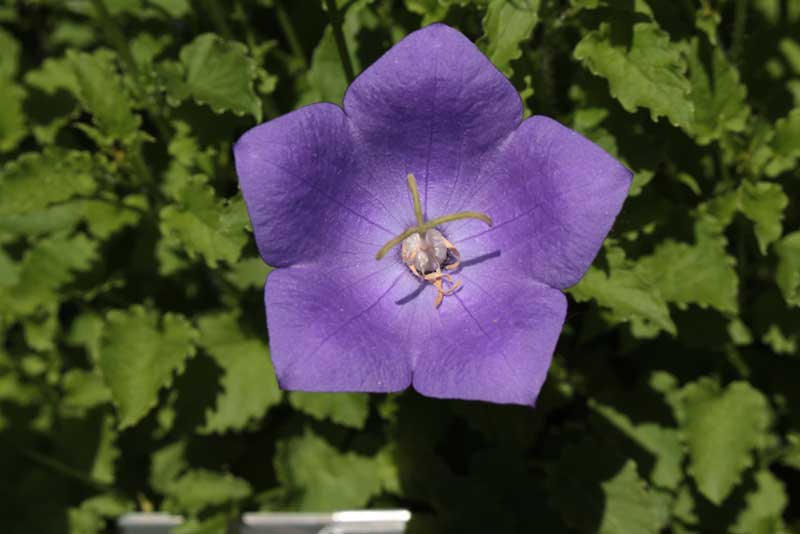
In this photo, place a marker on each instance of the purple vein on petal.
(332, 199)
(430, 138)
(471, 281)
(469, 312)
(458, 171)
(358, 184)
(516, 217)
(338, 329)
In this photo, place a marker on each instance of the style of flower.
(423, 233)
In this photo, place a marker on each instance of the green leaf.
(629, 506)
(103, 217)
(348, 409)
(218, 523)
(598, 491)
(662, 442)
(107, 215)
(249, 385)
(90, 517)
(47, 266)
(106, 452)
(13, 123)
(87, 331)
(648, 72)
(174, 8)
(791, 51)
(507, 24)
(317, 477)
(701, 273)
(9, 271)
(9, 60)
(763, 203)
(37, 179)
(199, 489)
(718, 96)
(139, 353)
(722, 427)
(787, 274)
(206, 226)
(167, 465)
(325, 79)
(103, 94)
(41, 329)
(707, 20)
(629, 296)
(248, 273)
(215, 72)
(54, 74)
(432, 10)
(763, 507)
(785, 144)
(146, 47)
(60, 218)
(83, 390)
(791, 456)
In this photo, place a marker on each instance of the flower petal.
(433, 106)
(304, 189)
(336, 331)
(553, 196)
(493, 341)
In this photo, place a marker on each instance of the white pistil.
(425, 256)
(425, 249)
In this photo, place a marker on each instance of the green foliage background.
(134, 369)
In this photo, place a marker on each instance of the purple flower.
(523, 206)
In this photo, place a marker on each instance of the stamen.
(454, 251)
(425, 249)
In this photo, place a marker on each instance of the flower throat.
(424, 249)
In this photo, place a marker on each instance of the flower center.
(424, 249)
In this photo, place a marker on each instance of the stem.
(218, 18)
(115, 203)
(114, 35)
(433, 223)
(288, 30)
(241, 14)
(140, 166)
(739, 23)
(63, 469)
(270, 107)
(412, 186)
(341, 45)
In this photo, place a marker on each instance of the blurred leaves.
(249, 385)
(103, 95)
(317, 477)
(200, 224)
(507, 25)
(134, 360)
(647, 71)
(788, 272)
(215, 72)
(348, 409)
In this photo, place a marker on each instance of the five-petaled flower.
(480, 220)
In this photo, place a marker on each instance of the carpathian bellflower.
(423, 233)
